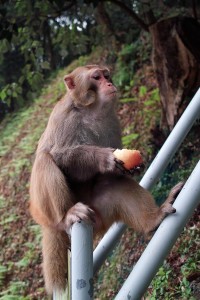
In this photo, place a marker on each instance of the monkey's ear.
(69, 82)
(88, 98)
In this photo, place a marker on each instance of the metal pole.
(81, 261)
(163, 240)
(154, 172)
(107, 244)
(172, 143)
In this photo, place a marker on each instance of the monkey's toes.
(175, 191)
(77, 213)
(167, 209)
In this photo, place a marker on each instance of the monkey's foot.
(77, 213)
(167, 207)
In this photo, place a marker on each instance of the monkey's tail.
(55, 261)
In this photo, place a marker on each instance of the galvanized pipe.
(107, 244)
(153, 173)
(81, 261)
(163, 240)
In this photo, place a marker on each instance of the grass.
(20, 258)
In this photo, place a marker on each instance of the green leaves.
(128, 139)
(11, 92)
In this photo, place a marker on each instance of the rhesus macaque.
(76, 177)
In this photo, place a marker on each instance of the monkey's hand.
(77, 213)
(107, 161)
(134, 171)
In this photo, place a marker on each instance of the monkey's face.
(91, 85)
(101, 83)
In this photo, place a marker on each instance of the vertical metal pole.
(82, 261)
(162, 241)
(69, 294)
(153, 173)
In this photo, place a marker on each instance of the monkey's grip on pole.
(81, 261)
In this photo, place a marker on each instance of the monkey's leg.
(120, 198)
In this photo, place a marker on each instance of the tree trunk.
(48, 48)
(103, 20)
(177, 68)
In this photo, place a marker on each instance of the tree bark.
(177, 69)
(48, 47)
(103, 20)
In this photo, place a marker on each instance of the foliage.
(37, 37)
(20, 274)
(130, 58)
(127, 140)
(186, 261)
(140, 106)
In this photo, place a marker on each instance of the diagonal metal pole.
(152, 175)
(162, 241)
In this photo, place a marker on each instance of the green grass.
(20, 258)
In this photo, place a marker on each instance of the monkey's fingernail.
(118, 161)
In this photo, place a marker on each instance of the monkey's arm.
(84, 161)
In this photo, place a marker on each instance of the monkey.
(75, 175)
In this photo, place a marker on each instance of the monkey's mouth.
(114, 91)
(112, 94)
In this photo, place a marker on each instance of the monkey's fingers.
(120, 165)
(88, 217)
(92, 215)
(77, 213)
(137, 170)
(118, 161)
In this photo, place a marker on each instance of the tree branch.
(194, 8)
(131, 13)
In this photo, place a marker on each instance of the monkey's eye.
(96, 77)
(107, 77)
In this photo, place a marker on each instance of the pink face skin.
(92, 87)
(101, 79)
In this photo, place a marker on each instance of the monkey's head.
(90, 84)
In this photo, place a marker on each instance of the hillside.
(20, 257)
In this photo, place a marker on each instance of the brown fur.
(76, 176)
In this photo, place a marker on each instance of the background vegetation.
(40, 42)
